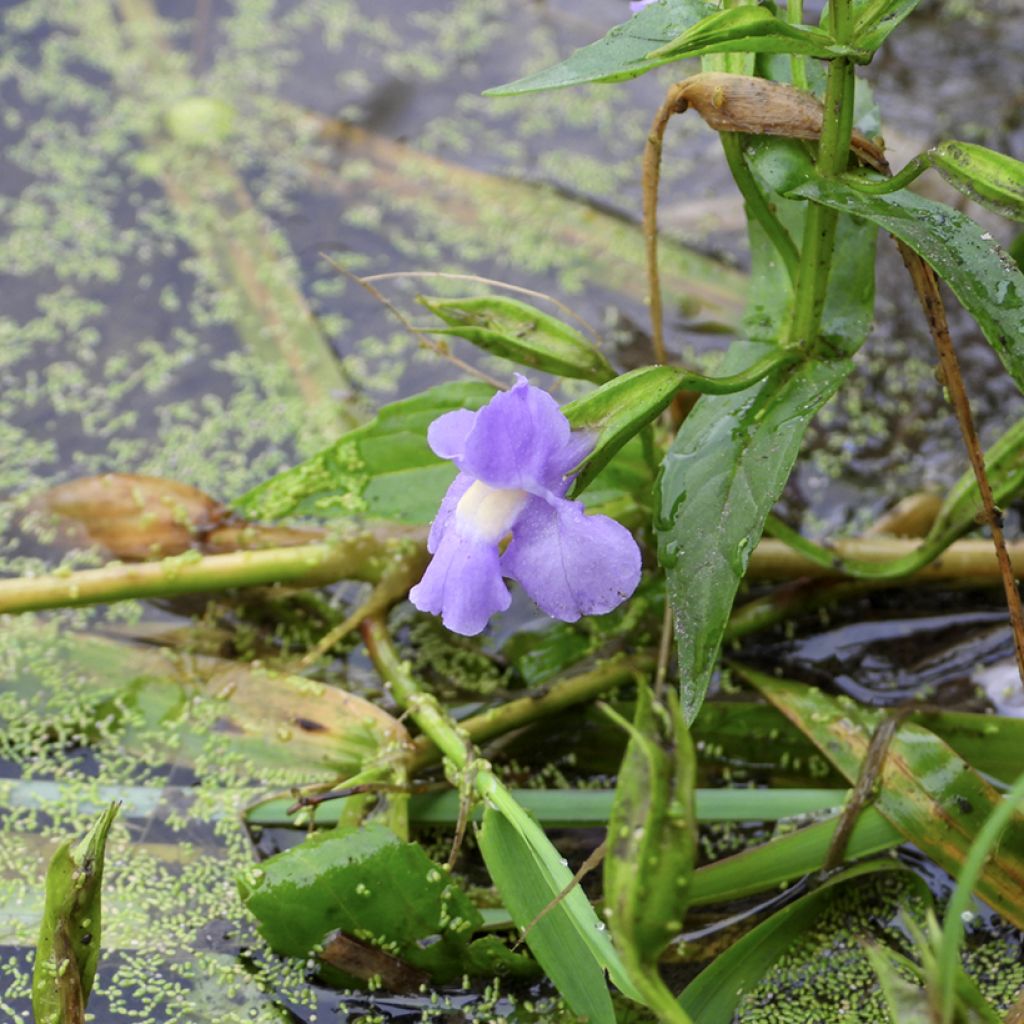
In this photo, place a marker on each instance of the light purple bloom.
(638, 5)
(514, 457)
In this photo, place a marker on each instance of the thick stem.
(365, 556)
(562, 694)
(820, 223)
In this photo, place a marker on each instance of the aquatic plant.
(644, 500)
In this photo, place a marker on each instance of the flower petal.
(462, 584)
(571, 564)
(521, 440)
(446, 511)
(447, 434)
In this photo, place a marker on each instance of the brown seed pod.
(756, 106)
(133, 517)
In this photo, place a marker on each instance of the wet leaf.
(721, 477)
(753, 30)
(992, 179)
(523, 334)
(652, 832)
(623, 53)
(378, 891)
(382, 470)
(929, 794)
(68, 950)
(983, 277)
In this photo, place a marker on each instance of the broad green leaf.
(623, 53)
(875, 19)
(753, 30)
(652, 832)
(68, 950)
(929, 794)
(382, 470)
(983, 277)
(713, 997)
(522, 334)
(993, 179)
(369, 885)
(528, 882)
(721, 477)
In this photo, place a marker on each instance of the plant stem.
(757, 205)
(798, 64)
(820, 223)
(364, 556)
(562, 694)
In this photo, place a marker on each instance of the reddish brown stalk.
(926, 285)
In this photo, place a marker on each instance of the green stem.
(757, 205)
(735, 382)
(562, 694)
(798, 64)
(820, 223)
(880, 186)
(366, 556)
(827, 558)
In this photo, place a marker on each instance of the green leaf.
(877, 18)
(528, 882)
(788, 857)
(721, 477)
(523, 334)
(992, 179)
(369, 885)
(382, 470)
(922, 784)
(985, 280)
(761, 734)
(715, 994)
(652, 832)
(617, 411)
(753, 30)
(622, 54)
(68, 950)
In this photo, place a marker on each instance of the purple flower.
(638, 5)
(514, 457)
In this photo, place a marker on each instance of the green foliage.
(725, 470)
(718, 992)
(68, 950)
(652, 832)
(753, 30)
(522, 334)
(993, 179)
(876, 19)
(985, 280)
(382, 470)
(369, 885)
(563, 939)
(623, 53)
(921, 781)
